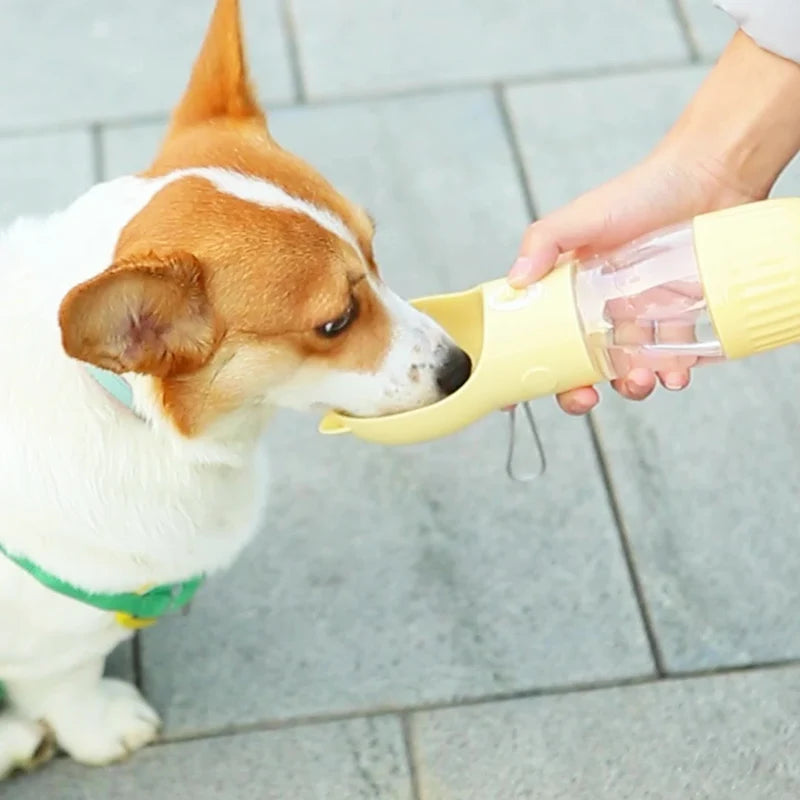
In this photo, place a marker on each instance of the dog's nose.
(455, 370)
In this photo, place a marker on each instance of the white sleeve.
(773, 24)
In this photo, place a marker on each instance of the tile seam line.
(686, 29)
(412, 759)
(343, 100)
(292, 38)
(580, 688)
(623, 536)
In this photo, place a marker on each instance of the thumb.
(578, 224)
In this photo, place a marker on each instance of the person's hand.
(660, 191)
(728, 147)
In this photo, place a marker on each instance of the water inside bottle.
(643, 306)
(662, 356)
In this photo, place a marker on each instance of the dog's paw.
(24, 745)
(107, 726)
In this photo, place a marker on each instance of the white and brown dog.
(227, 279)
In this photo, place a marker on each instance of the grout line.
(567, 690)
(408, 740)
(507, 122)
(468, 702)
(356, 99)
(293, 51)
(98, 152)
(80, 124)
(138, 662)
(525, 79)
(156, 117)
(627, 550)
(687, 31)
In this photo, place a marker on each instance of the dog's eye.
(336, 326)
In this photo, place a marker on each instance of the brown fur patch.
(247, 148)
(271, 276)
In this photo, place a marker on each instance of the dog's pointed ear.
(219, 86)
(146, 314)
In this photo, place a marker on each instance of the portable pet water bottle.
(723, 285)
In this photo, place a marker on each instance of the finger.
(674, 374)
(630, 334)
(578, 401)
(570, 227)
(675, 381)
(638, 384)
(528, 269)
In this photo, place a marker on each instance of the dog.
(147, 333)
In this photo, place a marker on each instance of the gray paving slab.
(43, 173)
(128, 149)
(82, 60)
(350, 47)
(387, 577)
(709, 739)
(710, 27)
(708, 484)
(120, 662)
(391, 578)
(706, 479)
(356, 760)
(788, 184)
(437, 173)
(602, 126)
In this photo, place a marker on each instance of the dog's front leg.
(95, 720)
(23, 744)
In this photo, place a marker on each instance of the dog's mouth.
(447, 378)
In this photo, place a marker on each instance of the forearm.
(744, 121)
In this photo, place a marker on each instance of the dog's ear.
(219, 87)
(146, 314)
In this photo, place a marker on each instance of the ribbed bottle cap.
(749, 262)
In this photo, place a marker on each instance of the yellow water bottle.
(723, 285)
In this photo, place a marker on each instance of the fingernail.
(674, 382)
(575, 406)
(639, 380)
(521, 268)
(578, 409)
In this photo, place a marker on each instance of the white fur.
(269, 195)
(109, 502)
(90, 492)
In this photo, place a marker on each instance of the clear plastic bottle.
(723, 285)
(643, 305)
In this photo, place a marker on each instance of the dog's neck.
(230, 439)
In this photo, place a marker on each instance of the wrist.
(743, 124)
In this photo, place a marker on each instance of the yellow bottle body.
(726, 284)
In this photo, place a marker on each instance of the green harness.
(131, 609)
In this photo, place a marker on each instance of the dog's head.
(247, 279)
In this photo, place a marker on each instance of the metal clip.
(514, 432)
